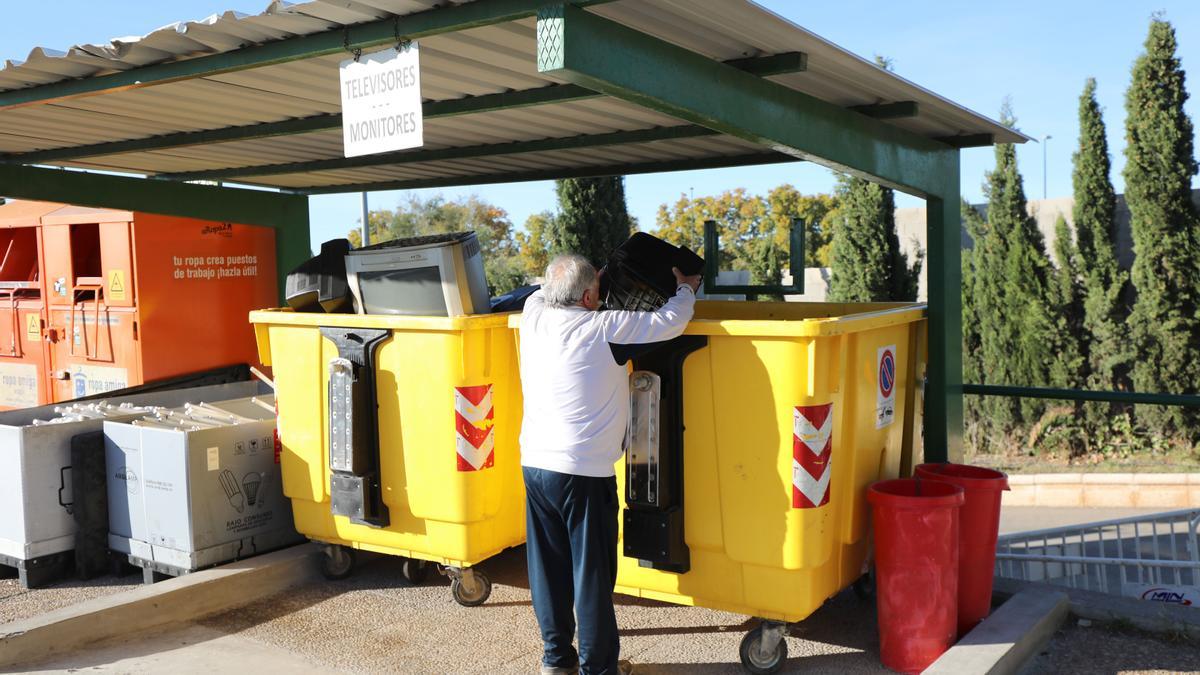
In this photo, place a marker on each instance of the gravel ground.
(18, 603)
(1100, 649)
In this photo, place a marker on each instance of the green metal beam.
(463, 152)
(1147, 398)
(969, 140)
(588, 50)
(888, 111)
(551, 174)
(943, 392)
(287, 213)
(414, 26)
(775, 64)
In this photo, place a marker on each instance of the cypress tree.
(592, 219)
(867, 263)
(973, 371)
(1106, 345)
(1159, 165)
(1015, 273)
(1067, 368)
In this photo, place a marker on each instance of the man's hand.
(680, 278)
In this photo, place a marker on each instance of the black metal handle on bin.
(712, 248)
(62, 487)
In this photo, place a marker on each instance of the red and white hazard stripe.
(812, 449)
(474, 418)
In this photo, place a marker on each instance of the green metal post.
(287, 213)
(943, 391)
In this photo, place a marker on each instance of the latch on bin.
(355, 489)
(654, 522)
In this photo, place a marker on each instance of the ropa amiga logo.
(218, 229)
(1166, 595)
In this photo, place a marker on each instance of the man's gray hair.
(567, 277)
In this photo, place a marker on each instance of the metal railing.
(1111, 556)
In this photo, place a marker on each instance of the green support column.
(943, 392)
(287, 213)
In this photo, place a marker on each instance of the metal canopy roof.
(490, 115)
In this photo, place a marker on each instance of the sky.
(1038, 53)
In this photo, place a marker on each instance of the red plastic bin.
(980, 525)
(916, 569)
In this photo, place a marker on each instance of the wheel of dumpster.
(337, 562)
(753, 658)
(864, 586)
(414, 571)
(483, 589)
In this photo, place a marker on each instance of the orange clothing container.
(125, 298)
(24, 355)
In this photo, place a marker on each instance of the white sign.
(885, 386)
(381, 102)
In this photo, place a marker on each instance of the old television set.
(437, 275)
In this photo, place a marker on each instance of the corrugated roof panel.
(484, 60)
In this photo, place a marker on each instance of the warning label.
(885, 394)
(116, 285)
(33, 327)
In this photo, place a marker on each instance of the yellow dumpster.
(751, 443)
(398, 435)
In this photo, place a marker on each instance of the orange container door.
(72, 252)
(93, 350)
(116, 263)
(23, 354)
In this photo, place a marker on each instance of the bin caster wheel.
(337, 562)
(758, 656)
(414, 571)
(864, 586)
(471, 588)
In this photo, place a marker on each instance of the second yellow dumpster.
(752, 440)
(398, 435)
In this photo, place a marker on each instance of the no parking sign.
(885, 390)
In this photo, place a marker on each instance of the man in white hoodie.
(576, 412)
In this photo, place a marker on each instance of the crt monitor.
(437, 275)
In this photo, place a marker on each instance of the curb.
(1116, 490)
(1155, 617)
(137, 611)
(1005, 641)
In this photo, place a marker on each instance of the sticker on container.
(90, 380)
(33, 327)
(885, 392)
(18, 385)
(812, 450)
(116, 285)
(1187, 596)
(214, 459)
(474, 419)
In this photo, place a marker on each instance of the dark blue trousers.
(571, 543)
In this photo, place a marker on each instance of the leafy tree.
(1159, 165)
(592, 219)
(754, 229)
(1106, 345)
(867, 263)
(533, 245)
(437, 215)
